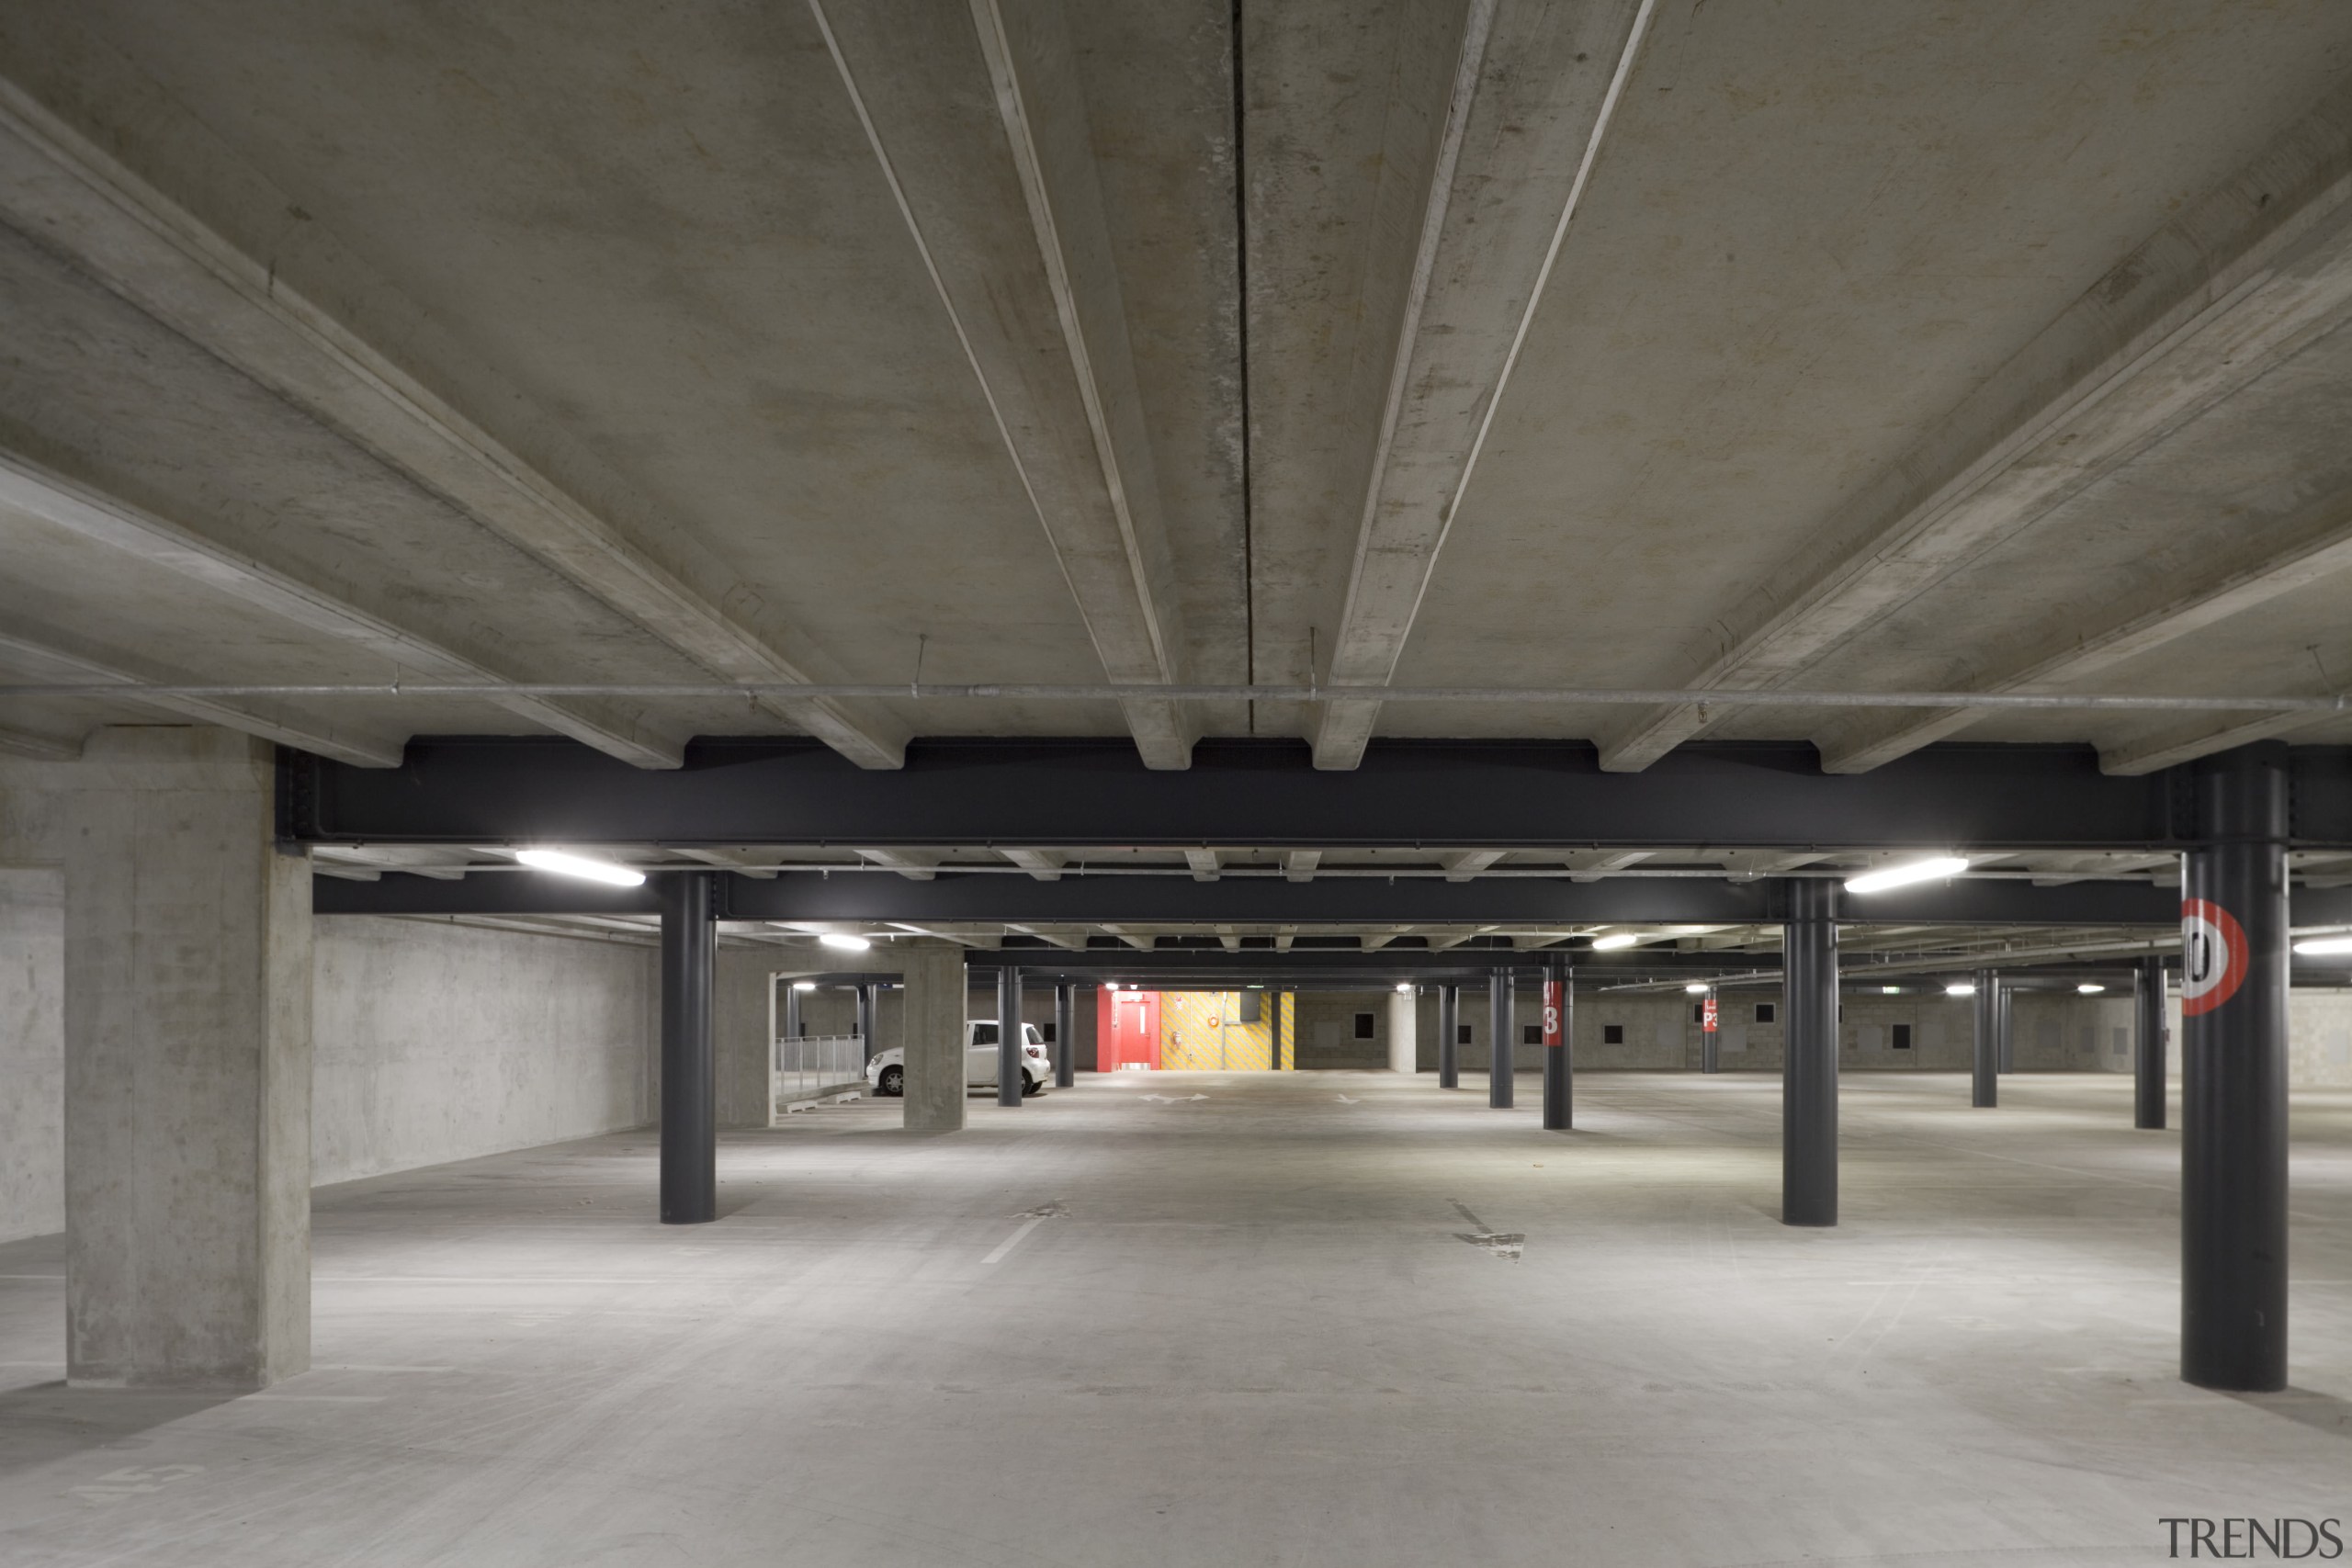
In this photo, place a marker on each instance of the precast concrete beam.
(506, 465)
(2239, 281)
(1494, 173)
(1000, 196)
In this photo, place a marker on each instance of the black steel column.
(1065, 1029)
(1559, 1059)
(689, 1081)
(792, 1010)
(1984, 1064)
(1449, 1037)
(1809, 1061)
(2004, 1035)
(1710, 1051)
(1499, 1048)
(2148, 1043)
(2234, 1076)
(1008, 1036)
(866, 1012)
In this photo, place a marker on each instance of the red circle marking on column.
(2214, 956)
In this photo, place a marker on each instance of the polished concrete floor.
(1209, 1319)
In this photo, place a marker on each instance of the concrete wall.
(432, 1042)
(439, 1043)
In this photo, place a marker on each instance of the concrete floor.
(1250, 1329)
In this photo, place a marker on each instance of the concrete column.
(2234, 1076)
(1064, 1035)
(933, 1024)
(1404, 1031)
(1008, 1036)
(187, 1067)
(689, 1072)
(1500, 1070)
(1449, 1037)
(2148, 1043)
(1985, 1059)
(1809, 1063)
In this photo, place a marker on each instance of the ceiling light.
(2320, 946)
(1110, 984)
(1900, 875)
(1619, 938)
(580, 867)
(1959, 990)
(1695, 988)
(845, 942)
(804, 984)
(1404, 988)
(1890, 990)
(2090, 987)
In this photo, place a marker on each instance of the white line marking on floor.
(317, 1398)
(1009, 1243)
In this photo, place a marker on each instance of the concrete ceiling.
(1835, 346)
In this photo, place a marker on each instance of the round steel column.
(1449, 1037)
(1809, 1064)
(2233, 1076)
(1710, 1039)
(1498, 1046)
(1984, 1075)
(2148, 1044)
(689, 1081)
(1559, 1045)
(1065, 1032)
(1008, 1036)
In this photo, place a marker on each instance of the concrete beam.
(742, 861)
(1499, 174)
(2309, 550)
(1461, 865)
(1592, 865)
(521, 477)
(1045, 866)
(1298, 865)
(1204, 863)
(84, 508)
(2242, 279)
(916, 866)
(1006, 210)
(274, 721)
(39, 747)
(2154, 753)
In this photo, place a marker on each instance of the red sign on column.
(1554, 1004)
(1707, 1015)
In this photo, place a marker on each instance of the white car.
(888, 1071)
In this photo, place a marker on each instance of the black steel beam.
(1090, 900)
(1241, 793)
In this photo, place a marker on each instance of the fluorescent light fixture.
(1696, 988)
(1961, 990)
(804, 984)
(2090, 987)
(845, 942)
(1404, 988)
(1615, 939)
(1890, 990)
(1110, 984)
(1903, 876)
(2322, 947)
(563, 864)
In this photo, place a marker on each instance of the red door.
(1126, 1030)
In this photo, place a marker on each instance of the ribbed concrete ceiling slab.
(1839, 347)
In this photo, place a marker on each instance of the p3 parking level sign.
(2214, 956)
(1553, 1008)
(1708, 1013)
